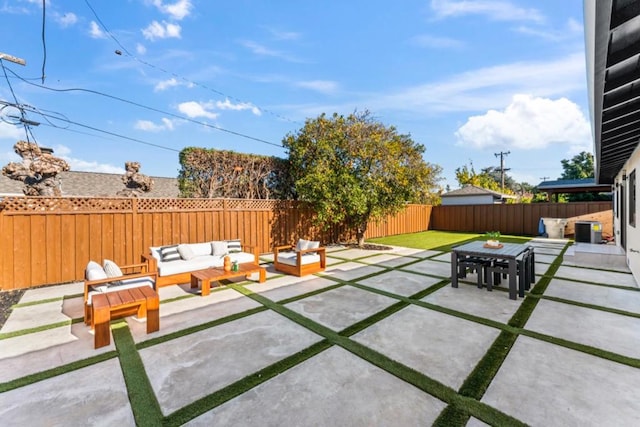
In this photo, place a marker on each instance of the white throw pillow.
(186, 252)
(94, 271)
(302, 244)
(219, 248)
(112, 269)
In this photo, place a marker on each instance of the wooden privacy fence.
(519, 219)
(50, 240)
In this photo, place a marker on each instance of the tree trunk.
(360, 230)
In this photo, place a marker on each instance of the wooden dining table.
(507, 251)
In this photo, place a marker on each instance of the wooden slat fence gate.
(50, 240)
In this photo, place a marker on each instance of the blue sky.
(466, 78)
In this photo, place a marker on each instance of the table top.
(508, 250)
(218, 272)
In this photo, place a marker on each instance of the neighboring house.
(612, 38)
(472, 195)
(94, 184)
(566, 186)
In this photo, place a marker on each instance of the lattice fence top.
(64, 204)
(24, 204)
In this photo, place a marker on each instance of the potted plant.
(493, 238)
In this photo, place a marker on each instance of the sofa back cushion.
(234, 246)
(219, 247)
(94, 271)
(200, 249)
(169, 253)
(186, 252)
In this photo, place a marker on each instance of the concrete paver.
(598, 276)
(433, 268)
(444, 347)
(197, 365)
(387, 260)
(604, 296)
(334, 388)
(544, 384)
(351, 270)
(400, 282)
(284, 288)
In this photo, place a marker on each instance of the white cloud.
(572, 29)
(11, 132)
(66, 20)
(262, 50)
(165, 84)
(149, 126)
(283, 35)
(499, 10)
(178, 10)
(528, 123)
(80, 165)
(140, 49)
(228, 105)
(322, 86)
(487, 88)
(193, 109)
(426, 40)
(163, 30)
(95, 31)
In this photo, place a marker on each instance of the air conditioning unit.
(588, 232)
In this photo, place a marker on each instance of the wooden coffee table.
(205, 277)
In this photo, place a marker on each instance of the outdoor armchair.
(306, 257)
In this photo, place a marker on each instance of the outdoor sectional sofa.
(174, 263)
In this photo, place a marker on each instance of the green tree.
(354, 169)
(579, 167)
(466, 175)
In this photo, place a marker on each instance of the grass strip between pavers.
(54, 372)
(45, 301)
(21, 332)
(588, 305)
(145, 406)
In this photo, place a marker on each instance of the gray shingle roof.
(472, 190)
(95, 184)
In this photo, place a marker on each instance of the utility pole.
(502, 155)
(544, 178)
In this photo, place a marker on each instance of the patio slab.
(48, 292)
(35, 315)
(433, 268)
(595, 276)
(494, 305)
(94, 395)
(608, 331)
(334, 388)
(400, 282)
(388, 260)
(444, 347)
(544, 384)
(341, 307)
(278, 290)
(351, 270)
(604, 296)
(191, 367)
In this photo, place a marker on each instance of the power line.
(188, 119)
(148, 64)
(15, 99)
(44, 43)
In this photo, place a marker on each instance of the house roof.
(573, 186)
(95, 184)
(472, 190)
(612, 39)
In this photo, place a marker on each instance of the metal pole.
(13, 59)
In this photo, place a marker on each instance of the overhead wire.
(44, 42)
(15, 99)
(148, 64)
(157, 110)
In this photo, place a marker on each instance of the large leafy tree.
(579, 167)
(467, 175)
(354, 169)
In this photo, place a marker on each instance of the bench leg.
(100, 319)
(153, 313)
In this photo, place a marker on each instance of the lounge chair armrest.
(142, 266)
(252, 250)
(89, 283)
(304, 251)
(151, 261)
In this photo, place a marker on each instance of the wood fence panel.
(69, 264)
(53, 246)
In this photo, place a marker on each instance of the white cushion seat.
(291, 258)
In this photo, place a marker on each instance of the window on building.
(632, 198)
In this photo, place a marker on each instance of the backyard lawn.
(438, 240)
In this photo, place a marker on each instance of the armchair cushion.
(291, 258)
(94, 271)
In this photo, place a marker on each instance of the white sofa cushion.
(200, 249)
(186, 252)
(290, 258)
(234, 246)
(219, 247)
(200, 263)
(94, 271)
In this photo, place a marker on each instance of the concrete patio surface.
(379, 338)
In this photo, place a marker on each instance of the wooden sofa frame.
(299, 269)
(180, 278)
